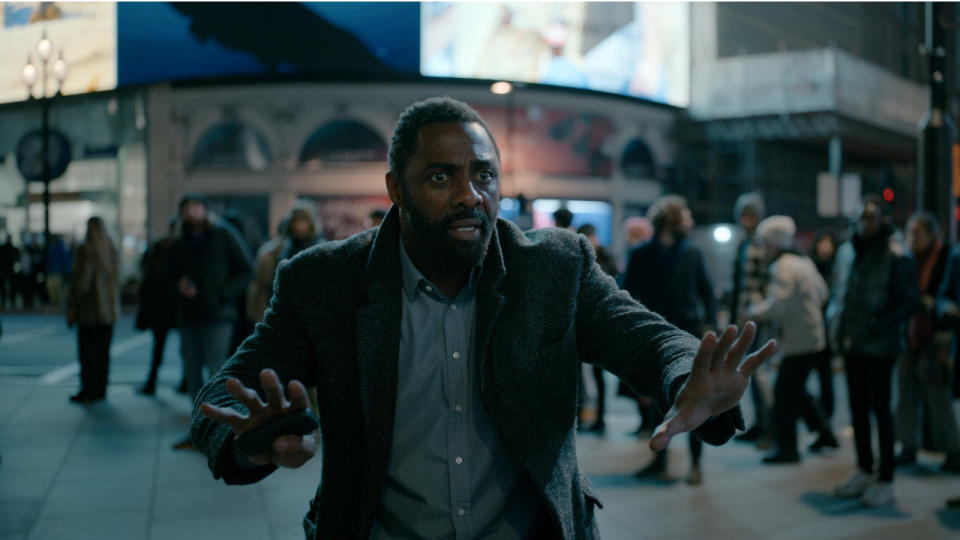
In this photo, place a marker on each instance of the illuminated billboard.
(168, 41)
(637, 49)
(84, 32)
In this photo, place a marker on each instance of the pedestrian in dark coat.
(158, 308)
(924, 374)
(948, 300)
(208, 271)
(874, 293)
(9, 256)
(667, 275)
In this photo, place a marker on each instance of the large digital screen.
(169, 41)
(637, 49)
(84, 32)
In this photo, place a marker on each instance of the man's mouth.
(466, 229)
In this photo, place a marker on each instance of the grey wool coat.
(543, 304)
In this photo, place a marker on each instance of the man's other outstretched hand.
(716, 383)
(288, 450)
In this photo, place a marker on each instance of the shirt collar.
(412, 279)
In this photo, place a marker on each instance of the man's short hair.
(587, 229)
(876, 200)
(751, 204)
(563, 217)
(666, 211)
(192, 197)
(403, 142)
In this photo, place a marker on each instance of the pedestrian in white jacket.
(794, 303)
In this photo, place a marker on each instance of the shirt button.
(428, 288)
(453, 307)
(456, 355)
(461, 512)
(459, 460)
(458, 408)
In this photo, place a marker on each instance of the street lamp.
(30, 73)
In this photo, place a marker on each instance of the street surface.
(108, 472)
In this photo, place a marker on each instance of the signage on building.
(835, 199)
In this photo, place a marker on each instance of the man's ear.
(393, 188)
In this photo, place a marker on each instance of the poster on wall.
(639, 49)
(84, 33)
(551, 141)
(343, 217)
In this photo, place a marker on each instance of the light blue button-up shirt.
(449, 475)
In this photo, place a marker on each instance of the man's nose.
(466, 193)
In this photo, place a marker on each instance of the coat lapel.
(489, 303)
(378, 347)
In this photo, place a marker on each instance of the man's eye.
(486, 175)
(439, 177)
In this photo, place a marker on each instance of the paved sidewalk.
(108, 472)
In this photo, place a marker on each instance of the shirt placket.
(456, 356)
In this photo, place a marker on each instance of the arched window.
(638, 160)
(343, 141)
(233, 145)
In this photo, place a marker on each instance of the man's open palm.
(717, 381)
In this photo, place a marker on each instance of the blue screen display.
(160, 41)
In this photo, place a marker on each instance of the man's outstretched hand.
(716, 383)
(288, 450)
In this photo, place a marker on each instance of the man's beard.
(434, 237)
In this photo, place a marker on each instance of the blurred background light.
(722, 234)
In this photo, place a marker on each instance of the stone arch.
(342, 140)
(231, 144)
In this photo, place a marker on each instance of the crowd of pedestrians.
(873, 301)
(887, 308)
(878, 303)
(199, 279)
(27, 280)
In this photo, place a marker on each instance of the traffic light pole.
(934, 186)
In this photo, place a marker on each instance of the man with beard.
(445, 346)
(668, 276)
(207, 271)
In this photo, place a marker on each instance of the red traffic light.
(888, 195)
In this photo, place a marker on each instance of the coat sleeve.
(279, 343)
(652, 356)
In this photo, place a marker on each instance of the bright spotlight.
(501, 88)
(722, 234)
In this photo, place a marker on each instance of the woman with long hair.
(93, 304)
